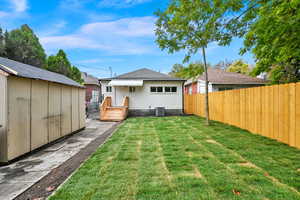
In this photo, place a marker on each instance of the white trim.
(126, 83)
(10, 70)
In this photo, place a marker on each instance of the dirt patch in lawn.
(47, 185)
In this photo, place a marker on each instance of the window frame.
(171, 89)
(106, 89)
(156, 89)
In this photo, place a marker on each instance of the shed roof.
(218, 76)
(28, 71)
(89, 79)
(145, 74)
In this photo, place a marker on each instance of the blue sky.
(97, 34)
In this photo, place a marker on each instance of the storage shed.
(36, 107)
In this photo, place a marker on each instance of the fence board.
(271, 111)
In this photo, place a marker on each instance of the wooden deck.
(116, 113)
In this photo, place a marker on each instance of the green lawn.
(181, 158)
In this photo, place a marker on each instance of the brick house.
(93, 91)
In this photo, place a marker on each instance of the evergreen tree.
(60, 63)
(2, 43)
(76, 75)
(23, 45)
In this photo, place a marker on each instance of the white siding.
(142, 98)
(201, 87)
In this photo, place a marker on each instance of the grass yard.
(180, 158)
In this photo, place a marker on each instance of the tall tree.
(76, 75)
(191, 26)
(239, 66)
(23, 45)
(60, 63)
(2, 43)
(274, 40)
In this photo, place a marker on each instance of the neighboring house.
(36, 107)
(220, 80)
(93, 90)
(146, 90)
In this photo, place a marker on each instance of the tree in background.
(274, 39)
(239, 66)
(191, 71)
(2, 43)
(223, 65)
(76, 75)
(60, 63)
(23, 45)
(192, 25)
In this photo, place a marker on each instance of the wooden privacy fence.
(271, 111)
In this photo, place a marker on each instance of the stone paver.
(19, 176)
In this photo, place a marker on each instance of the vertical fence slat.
(271, 111)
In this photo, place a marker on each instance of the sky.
(99, 34)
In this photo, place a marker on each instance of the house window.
(156, 89)
(108, 89)
(170, 89)
(131, 89)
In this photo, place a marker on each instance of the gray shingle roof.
(218, 76)
(28, 71)
(146, 74)
(89, 79)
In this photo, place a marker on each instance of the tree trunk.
(206, 88)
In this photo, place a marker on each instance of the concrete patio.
(21, 175)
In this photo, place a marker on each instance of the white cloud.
(19, 5)
(124, 36)
(132, 27)
(121, 3)
(3, 14)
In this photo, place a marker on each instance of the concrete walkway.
(19, 176)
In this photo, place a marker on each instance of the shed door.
(3, 113)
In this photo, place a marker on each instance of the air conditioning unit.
(160, 111)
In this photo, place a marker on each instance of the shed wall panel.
(3, 118)
(82, 113)
(66, 110)
(39, 113)
(19, 116)
(75, 109)
(54, 116)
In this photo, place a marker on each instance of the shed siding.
(39, 113)
(82, 113)
(19, 116)
(75, 109)
(3, 118)
(54, 111)
(66, 110)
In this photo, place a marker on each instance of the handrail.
(106, 107)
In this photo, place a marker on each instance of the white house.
(219, 80)
(146, 90)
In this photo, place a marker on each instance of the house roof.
(218, 76)
(28, 71)
(145, 74)
(89, 79)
